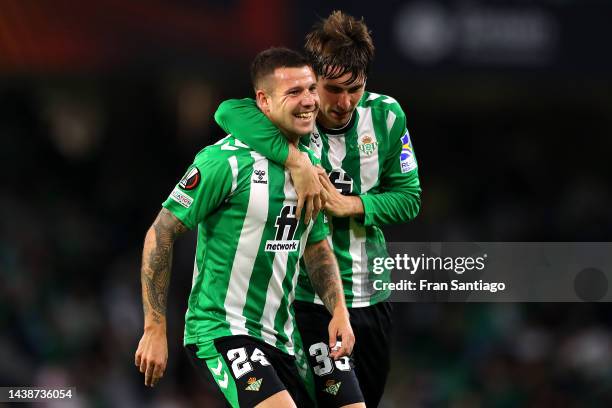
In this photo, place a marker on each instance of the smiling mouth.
(304, 115)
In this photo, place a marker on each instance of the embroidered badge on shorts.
(332, 387)
(254, 384)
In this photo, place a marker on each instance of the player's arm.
(324, 275)
(152, 353)
(243, 119)
(399, 199)
(203, 188)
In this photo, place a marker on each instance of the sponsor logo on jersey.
(315, 139)
(181, 198)
(367, 144)
(407, 160)
(332, 387)
(282, 246)
(259, 177)
(316, 144)
(342, 181)
(254, 384)
(191, 179)
(286, 225)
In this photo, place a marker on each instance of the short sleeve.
(207, 182)
(319, 230)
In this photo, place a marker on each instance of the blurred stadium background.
(103, 104)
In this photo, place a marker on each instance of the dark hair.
(268, 60)
(340, 44)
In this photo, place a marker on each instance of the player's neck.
(337, 130)
(293, 139)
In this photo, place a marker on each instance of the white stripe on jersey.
(274, 294)
(357, 238)
(222, 140)
(390, 120)
(233, 162)
(330, 241)
(368, 163)
(336, 151)
(196, 271)
(246, 252)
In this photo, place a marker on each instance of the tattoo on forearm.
(323, 272)
(157, 262)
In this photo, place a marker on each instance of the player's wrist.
(341, 311)
(357, 209)
(351, 206)
(154, 327)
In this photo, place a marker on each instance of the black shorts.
(372, 326)
(248, 371)
(335, 382)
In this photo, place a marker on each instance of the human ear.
(263, 100)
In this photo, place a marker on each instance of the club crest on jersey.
(286, 226)
(191, 179)
(407, 160)
(259, 177)
(367, 144)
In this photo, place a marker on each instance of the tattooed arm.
(152, 353)
(324, 275)
(156, 264)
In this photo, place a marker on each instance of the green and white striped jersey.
(372, 157)
(248, 247)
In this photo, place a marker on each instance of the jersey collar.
(341, 130)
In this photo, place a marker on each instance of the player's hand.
(340, 330)
(337, 204)
(152, 354)
(308, 188)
